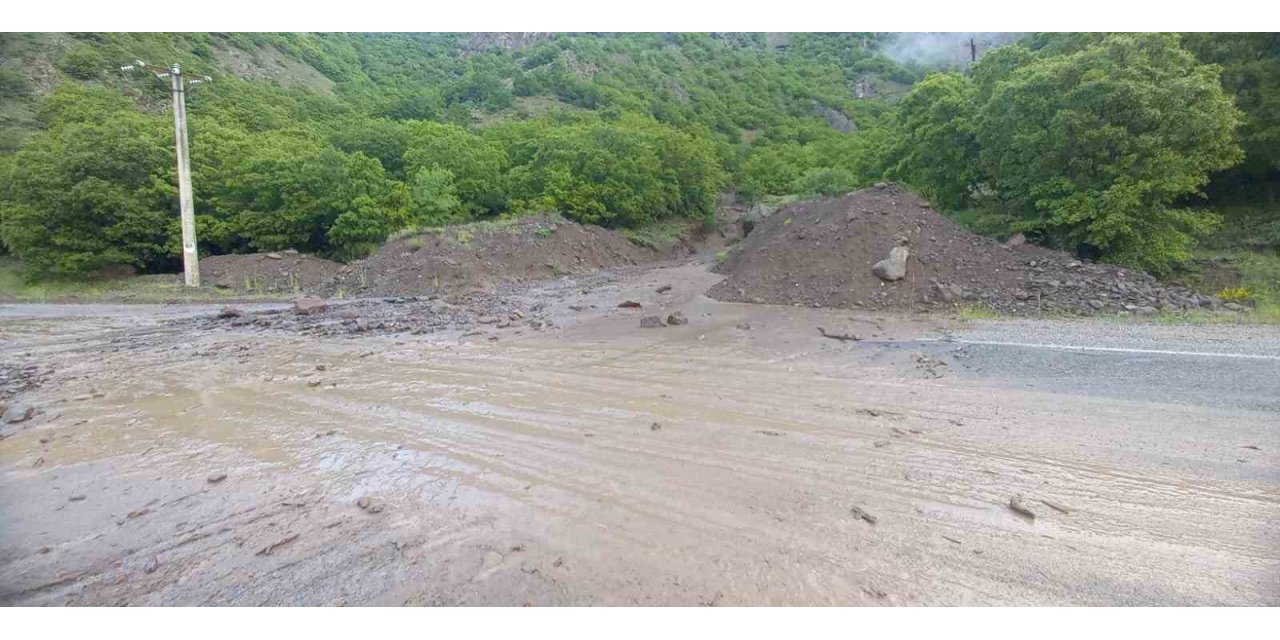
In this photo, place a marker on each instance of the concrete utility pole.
(186, 204)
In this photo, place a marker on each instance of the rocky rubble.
(831, 252)
(400, 314)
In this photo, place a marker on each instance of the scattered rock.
(313, 382)
(275, 256)
(17, 413)
(1015, 505)
(309, 305)
(677, 318)
(370, 505)
(843, 337)
(861, 513)
(215, 478)
(77, 498)
(629, 304)
(949, 292)
(745, 326)
(770, 432)
(651, 322)
(487, 320)
(269, 549)
(1015, 240)
(230, 312)
(663, 289)
(152, 565)
(655, 426)
(1144, 311)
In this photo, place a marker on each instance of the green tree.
(293, 190)
(379, 138)
(826, 181)
(86, 195)
(936, 151)
(1094, 146)
(434, 198)
(478, 166)
(13, 84)
(617, 174)
(83, 62)
(1251, 73)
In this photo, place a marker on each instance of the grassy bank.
(159, 288)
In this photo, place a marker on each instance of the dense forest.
(1117, 146)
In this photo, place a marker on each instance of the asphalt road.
(1227, 366)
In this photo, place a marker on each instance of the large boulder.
(895, 266)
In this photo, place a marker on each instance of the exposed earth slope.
(821, 252)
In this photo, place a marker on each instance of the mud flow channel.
(744, 458)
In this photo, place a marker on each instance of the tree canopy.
(1091, 145)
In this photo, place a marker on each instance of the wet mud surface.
(743, 458)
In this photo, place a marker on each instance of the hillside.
(727, 82)
(328, 143)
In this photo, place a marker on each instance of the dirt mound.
(821, 252)
(479, 256)
(284, 272)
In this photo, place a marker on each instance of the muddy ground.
(740, 459)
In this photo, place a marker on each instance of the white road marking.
(1070, 347)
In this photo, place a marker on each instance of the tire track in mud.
(742, 496)
(501, 444)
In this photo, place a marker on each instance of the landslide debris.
(885, 248)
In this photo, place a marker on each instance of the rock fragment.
(309, 305)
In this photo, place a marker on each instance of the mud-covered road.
(741, 459)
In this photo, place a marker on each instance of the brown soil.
(287, 272)
(477, 257)
(820, 253)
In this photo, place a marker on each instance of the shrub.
(83, 62)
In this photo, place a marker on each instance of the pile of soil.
(478, 257)
(284, 272)
(820, 253)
